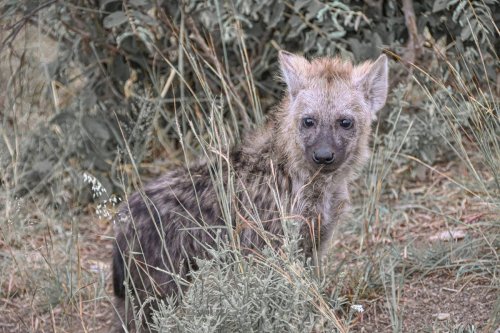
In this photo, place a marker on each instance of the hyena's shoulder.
(182, 192)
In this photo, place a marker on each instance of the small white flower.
(97, 188)
(104, 208)
(358, 308)
(114, 200)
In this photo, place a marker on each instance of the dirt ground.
(436, 303)
(21, 313)
(432, 303)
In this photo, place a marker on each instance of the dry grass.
(439, 281)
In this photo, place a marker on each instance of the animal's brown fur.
(158, 229)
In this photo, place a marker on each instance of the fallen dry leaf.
(449, 235)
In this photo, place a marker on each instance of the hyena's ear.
(293, 68)
(372, 79)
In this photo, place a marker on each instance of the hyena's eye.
(308, 122)
(346, 123)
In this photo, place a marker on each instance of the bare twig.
(414, 47)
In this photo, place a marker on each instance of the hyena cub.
(309, 151)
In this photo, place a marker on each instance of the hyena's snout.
(323, 155)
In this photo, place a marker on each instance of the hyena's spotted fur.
(309, 151)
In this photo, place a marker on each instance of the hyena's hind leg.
(133, 304)
(127, 319)
(139, 291)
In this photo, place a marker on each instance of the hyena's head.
(326, 119)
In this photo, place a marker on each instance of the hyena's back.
(160, 230)
(176, 218)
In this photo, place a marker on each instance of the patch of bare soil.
(23, 309)
(437, 303)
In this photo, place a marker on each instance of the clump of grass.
(270, 292)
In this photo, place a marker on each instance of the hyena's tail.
(118, 273)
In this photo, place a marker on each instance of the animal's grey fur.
(158, 228)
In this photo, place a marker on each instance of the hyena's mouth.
(324, 163)
(325, 168)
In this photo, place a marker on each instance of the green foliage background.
(119, 54)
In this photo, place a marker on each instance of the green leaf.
(439, 5)
(114, 19)
(336, 34)
(300, 3)
(139, 3)
(277, 13)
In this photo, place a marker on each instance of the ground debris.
(443, 316)
(449, 235)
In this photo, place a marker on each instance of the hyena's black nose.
(323, 156)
